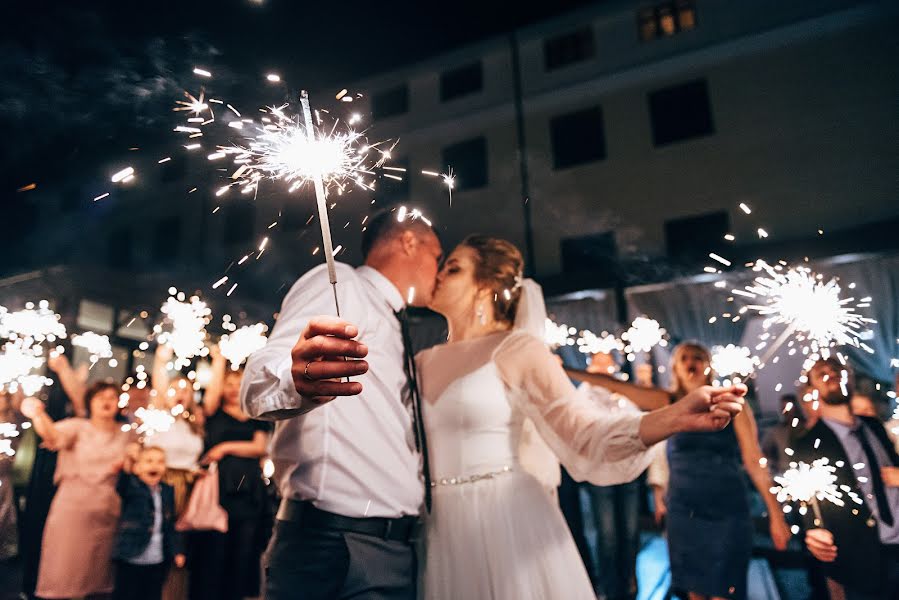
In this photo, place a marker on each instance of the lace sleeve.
(593, 442)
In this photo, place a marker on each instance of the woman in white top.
(183, 445)
(493, 532)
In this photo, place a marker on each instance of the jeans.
(616, 510)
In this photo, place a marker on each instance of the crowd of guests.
(113, 526)
(702, 487)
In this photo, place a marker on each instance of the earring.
(482, 318)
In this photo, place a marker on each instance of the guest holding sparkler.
(709, 522)
(227, 565)
(73, 381)
(10, 417)
(858, 543)
(81, 525)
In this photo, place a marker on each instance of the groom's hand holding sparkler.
(704, 409)
(325, 354)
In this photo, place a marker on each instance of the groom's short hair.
(384, 224)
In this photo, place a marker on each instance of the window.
(461, 82)
(239, 223)
(577, 138)
(389, 190)
(389, 103)
(680, 113)
(468, 161)
(692, 238)
(118, 249)
(666, 19)
(95, 316)
(167, 239)
(568, 49)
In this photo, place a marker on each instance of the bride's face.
(456, 289)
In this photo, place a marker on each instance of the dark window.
(568, 49)
(167, 239)
(577, 138)
(118, 248)
(389, 103)
(692, 238)
(389, 189)
(680, 113)
(239, 223)
(468, 160)
(462, 81)
(666, 19)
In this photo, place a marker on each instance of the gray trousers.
(324, 564)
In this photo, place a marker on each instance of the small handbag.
(203, 511)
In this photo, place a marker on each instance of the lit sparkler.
(153, 420)
(187, 321)
(8, 431)
(556, 336)
(808, 484)
(605, 343)
(97, 346)
(38, 324)
(243, 342)
(449, 180)
(733, 360)
(643, 335)
(809, 308)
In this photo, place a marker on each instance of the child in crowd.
(146, 542)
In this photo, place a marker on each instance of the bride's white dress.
(494, 532)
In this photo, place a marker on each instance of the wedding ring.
(306, 375)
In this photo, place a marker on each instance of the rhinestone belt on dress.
(471, 478)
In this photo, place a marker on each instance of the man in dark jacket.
(146, 542)
(857, 543)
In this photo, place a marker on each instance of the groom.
(348, 470)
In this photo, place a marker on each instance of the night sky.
(82, 81)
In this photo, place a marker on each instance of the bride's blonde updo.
(498, 268)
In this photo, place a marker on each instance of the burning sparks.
(22, 354)
(556, 335)
(733, 360)
(97, 346)
(605, 343)
(806, 483)
(798, 298)
(187, 322)
(281, 150)
(153, 420)
(643, 335)
(239, 345)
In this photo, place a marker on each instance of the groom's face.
(428, 255)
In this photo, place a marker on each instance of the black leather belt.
(304, 514)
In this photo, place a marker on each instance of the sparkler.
(556, 335)
(643, 335)
(153, 420)
(188, 320)
(808, 484)
(8, 431)
(813, 310)
(97, 346)
(449, 180)
(240, 344)
(605, 343)
(733, 360)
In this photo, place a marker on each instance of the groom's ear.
(408, 242)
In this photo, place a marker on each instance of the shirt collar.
(842, 429)
(384, 286)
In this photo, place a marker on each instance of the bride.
(494, 531)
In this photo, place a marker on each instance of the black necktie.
(421, 440)
(880, 495)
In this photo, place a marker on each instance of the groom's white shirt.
(353, 456)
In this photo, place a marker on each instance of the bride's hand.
(709, 408)
(325, 354)
(704, 409)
